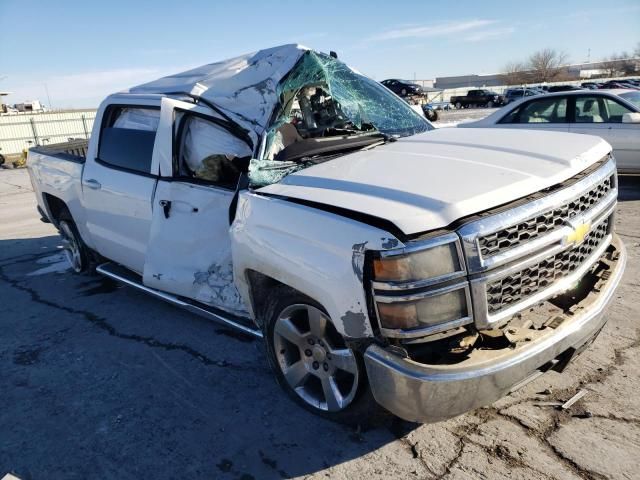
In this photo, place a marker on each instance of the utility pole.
(48, 98)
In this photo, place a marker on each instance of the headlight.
(432, 261)
(420, 289)
(435, 262)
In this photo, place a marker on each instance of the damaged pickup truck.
(287, 195)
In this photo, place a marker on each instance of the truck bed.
(73, 150)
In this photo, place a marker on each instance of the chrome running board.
(122, 275)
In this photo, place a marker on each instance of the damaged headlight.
(421, 289)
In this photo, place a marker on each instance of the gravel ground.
(100, 381)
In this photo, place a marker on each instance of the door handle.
(166, 207)
(92, 184)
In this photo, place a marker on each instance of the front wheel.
(489, 104)
(432, 115)
(458, 105)
(312, 362)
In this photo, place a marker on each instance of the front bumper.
(430, 393)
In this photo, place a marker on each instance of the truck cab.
(302, 203)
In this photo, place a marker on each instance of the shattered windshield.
(326, 108)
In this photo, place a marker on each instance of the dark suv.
(403, 88)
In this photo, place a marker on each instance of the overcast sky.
(83, 51)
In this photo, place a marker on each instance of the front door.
(189, 251)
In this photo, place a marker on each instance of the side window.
(550, 110)
(614, 111)
(589, 109)
(127, 137)
(210, 153)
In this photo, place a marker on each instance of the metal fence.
(30, 129)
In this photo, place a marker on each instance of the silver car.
(613, 115)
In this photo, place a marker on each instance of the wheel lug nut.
(325, 366)
(307, 352)
(315, 365)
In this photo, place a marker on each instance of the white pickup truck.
(284, 194)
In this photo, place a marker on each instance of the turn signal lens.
(425, 312)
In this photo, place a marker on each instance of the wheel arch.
(54, 206)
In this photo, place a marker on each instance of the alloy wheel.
(314, 359)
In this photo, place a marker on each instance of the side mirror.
(631, 117)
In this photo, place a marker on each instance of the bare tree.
(516, 73)
(545, 64)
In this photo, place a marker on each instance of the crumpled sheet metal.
(244, 87)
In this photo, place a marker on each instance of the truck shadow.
(100, 380)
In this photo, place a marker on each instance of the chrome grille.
(518, 286)
(543, 223)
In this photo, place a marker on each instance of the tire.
(458, 105)
(489, 104)
(2, 159)
(305, 363)
(78, 254)
(403, 92)
(432, 115)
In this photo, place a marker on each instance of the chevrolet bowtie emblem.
(578, 234)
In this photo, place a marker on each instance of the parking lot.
(101, 381)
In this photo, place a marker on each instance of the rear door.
(118, 184)
(189, 250)
(543, 113)
(601, 115)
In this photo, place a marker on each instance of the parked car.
(563, 88)
(478, 98)
(617, 84)
(403, 88)
(377, 257)
(513, 94)
(611, 114)
(590, 85)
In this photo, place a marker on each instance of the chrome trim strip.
(470, 232)
(421, 245)
(427, 282)
(425, 331)
(103, 270)
(419, 295)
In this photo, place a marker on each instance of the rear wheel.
(2, 160)
(312, 362)
(489, 104)
(75, 250)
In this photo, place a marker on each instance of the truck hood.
(427, 181)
